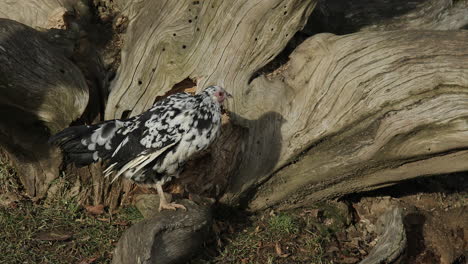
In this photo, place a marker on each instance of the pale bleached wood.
(363, 111)
(40, 13)
(215, 42)
(212, 42)
(341, 108)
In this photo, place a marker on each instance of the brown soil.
(435, 218)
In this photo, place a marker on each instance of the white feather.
(141, 161)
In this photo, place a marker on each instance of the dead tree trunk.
(343, 114)
(367, 110)
(42, 92)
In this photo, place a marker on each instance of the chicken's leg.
(163, 204)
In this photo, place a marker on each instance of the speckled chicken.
(152, 147)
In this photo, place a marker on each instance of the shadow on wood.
(41, 93)
(169, 237)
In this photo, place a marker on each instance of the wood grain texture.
(342, 109)
(392, 240)
(363, 111)
(40, 13)
(41, 92)
(169, 237)
(215, 42)
(211, 42)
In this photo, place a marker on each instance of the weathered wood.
(363, 111)
(169, 237)
(212, 42)
(40, 13)
(392, 240)
(215, 42)
(349, 16)
(41, 93)
(340, 114)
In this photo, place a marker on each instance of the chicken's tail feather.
(84, 145)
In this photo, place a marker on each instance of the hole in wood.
(196, 17)
(139, 82)
(198, 29)
(174, 34)
(190, 20)
(126, 114)
(256, 39)
(196, 2)
(183, 46)
(281, 58)
(285, 12)
(163, 49)
(272, 29)
(186, 85)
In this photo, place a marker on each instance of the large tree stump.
(364, 111)
(42, 92)
(345, 114)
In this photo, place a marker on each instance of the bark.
(41, 93)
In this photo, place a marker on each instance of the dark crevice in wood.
(344, 17)
(126, 114)
(282, 58)
(448, 183)
(178, 88)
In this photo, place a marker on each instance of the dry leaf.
(88, 260)
(349, 260)
(279, 251)
(121, 223)
(95, 209)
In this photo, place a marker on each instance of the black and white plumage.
(152, 147)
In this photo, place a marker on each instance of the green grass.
(57, 230)
(283, 223)
(24, 227)
(258, 242)
(8, 180)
